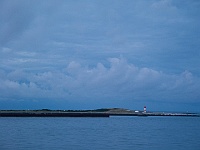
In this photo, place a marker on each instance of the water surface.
(119, 133)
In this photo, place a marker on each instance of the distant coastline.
(104, 112)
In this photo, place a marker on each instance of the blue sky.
(88, 54)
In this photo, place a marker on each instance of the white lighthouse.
(145, 109)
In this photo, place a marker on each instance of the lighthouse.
(145, 109)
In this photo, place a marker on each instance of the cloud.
(119, 81)
(59, 50)
(6, 50)
(162, 4)
(15, 19)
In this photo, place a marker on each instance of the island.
(104, 112)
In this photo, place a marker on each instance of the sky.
(88, 54)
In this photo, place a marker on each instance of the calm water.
(118, 133)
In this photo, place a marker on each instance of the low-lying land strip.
(105, 112)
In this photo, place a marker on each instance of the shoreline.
(88, 113)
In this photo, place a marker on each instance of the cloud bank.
(118, 81)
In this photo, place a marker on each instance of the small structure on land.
(145, 109)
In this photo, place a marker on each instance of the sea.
(113, 133)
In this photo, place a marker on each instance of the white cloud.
(6, 50)
(26, 54)
(119, 81)
(162, 4)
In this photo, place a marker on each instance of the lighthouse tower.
(145, 109)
